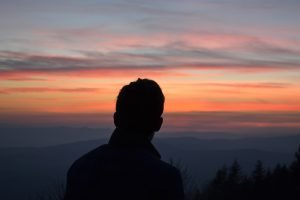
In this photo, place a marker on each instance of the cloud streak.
(248, 85)
(189, 122)
(175, 56)
(47, 90)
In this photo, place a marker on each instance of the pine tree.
(234, 176)
(221, 177)
(295, 175)
(295, 167)
(259, 173)
(233, 185)
(258, 189)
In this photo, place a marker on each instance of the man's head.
(139, 107)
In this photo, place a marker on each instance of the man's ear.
(116, 119)
(158, 124)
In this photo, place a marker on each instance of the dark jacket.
(125, 168)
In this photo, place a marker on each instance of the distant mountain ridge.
(25, 136)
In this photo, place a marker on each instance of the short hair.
(139, 103)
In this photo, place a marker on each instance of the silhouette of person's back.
(129, 166)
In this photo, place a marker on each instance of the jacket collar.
(121, 138)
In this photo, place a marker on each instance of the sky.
(225, 64)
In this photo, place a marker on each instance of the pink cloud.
(248, 85)
(24, 75)
(46, 89)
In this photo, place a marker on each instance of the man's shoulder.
(126, 159)
(168, 169)
(88, 159)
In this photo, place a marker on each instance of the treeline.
(229, 183)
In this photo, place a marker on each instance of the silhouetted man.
(129, 166)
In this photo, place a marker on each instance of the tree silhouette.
(282, 182)
(234, 176)
(258, 174)
(295, 174)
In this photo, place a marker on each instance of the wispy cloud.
(173, 56)
(232, 121)
(248, 85)
(46, 89)
(188, 122)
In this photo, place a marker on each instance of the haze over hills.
(30, 170)
(35, 136)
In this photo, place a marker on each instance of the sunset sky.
(63, 62)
